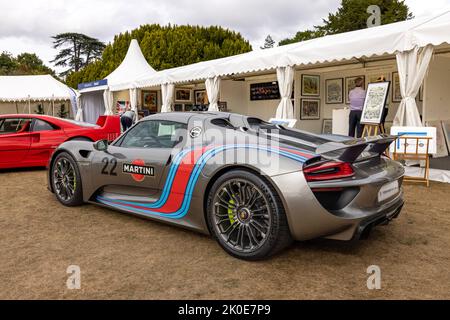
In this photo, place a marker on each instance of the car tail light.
(328, 171)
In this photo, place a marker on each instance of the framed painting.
(178, 107)
(396, 94)
(201, 97)
(350, 85)
(310, 109)
(149, 100)
(374, 103)
(183, 95)
(327, 126)
(310, 85)
(334, 91)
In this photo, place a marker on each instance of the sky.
(27, 25)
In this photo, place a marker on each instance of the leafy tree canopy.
(268, 43)
(352, 15)
(24, 64)
(76, 50)
(165, 47)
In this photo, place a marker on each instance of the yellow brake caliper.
(230, 211)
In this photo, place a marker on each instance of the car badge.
(195, 132)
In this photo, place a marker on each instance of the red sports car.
(28, 140)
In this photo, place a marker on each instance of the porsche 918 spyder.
(28, 140)
(253, 185)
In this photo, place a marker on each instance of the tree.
(165, 47)
(352, 15)
(29, 63)
(76, 51)
(24, 64)
(268, 43)
(7, 63)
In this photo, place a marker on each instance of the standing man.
(356, 96)
(127, 118)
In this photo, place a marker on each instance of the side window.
(14, 125)
(154, 134)
(41, 125)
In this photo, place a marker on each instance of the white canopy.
(377, 41)
(33, 88)
(133, 67)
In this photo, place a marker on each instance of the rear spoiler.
(350, 150)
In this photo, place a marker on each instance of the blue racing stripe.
(198, 167)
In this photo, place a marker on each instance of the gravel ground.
(124, 257)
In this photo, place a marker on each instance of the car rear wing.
(356, 149)
(110, 124)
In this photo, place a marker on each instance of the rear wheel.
(66, 180)
(246, 216)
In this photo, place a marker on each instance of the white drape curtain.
(412, 67)
(213, 90)
(167, 91)
(108, 100)
(285, 77)
(92, 105)
(133, 101)
(79, 115)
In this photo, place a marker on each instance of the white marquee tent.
(34, 88)
(412, 42)
(134, 66)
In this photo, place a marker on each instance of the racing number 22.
(112, 171)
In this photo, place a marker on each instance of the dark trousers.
(126, 122)
(383, 118)
(354, 123)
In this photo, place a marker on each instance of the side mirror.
(101, 145)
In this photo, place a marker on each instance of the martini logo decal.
(138, 170)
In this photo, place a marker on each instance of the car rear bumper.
(363, 230)
(308, 219)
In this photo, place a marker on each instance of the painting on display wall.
(149, 100)
(183, 95)
(374, 103)
(327, 126)
(201, 97)
(310, 85)
(310, 109)
(334, 91)
(350, 85)
(396, 94)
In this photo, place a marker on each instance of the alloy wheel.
(241, 215)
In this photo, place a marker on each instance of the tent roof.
(377, 41)
(133, 66)
(34, 88)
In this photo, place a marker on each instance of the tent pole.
(17, 108)
(29, 105)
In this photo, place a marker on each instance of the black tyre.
(246, 216)
(66, 180)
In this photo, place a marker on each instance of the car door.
(47, 138)
(136, 165)
(15, 140)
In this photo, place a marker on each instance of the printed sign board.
(411, 144)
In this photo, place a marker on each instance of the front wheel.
(66, 180)
(246, 216)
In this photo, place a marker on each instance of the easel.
(404, 155)
(371, 130)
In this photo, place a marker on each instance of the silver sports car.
(253, 185)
